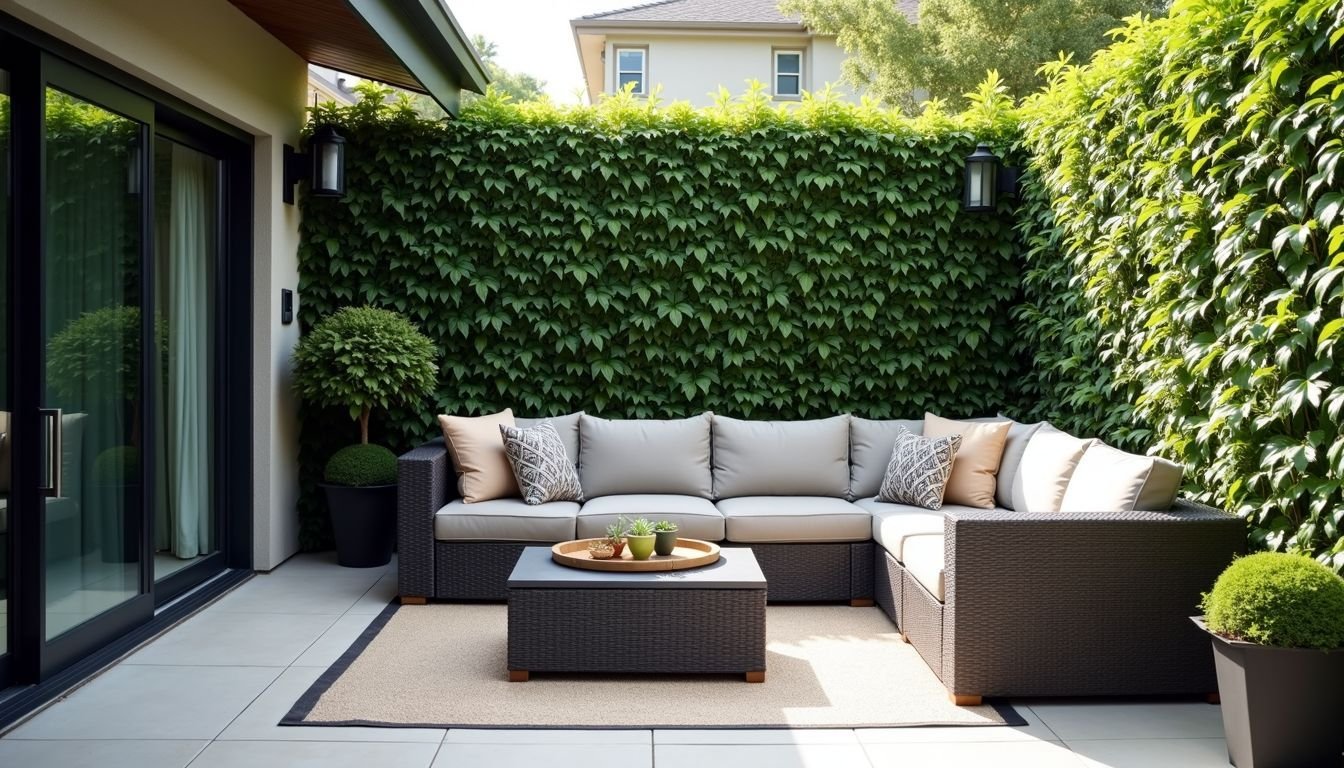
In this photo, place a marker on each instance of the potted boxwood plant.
(665, 537)
(640, 539)
(361, 358)
(1277, 622)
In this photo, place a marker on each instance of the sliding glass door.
(6, 436)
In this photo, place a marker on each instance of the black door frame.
(32, 58)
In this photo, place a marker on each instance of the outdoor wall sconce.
(986, 179)
(323, 166)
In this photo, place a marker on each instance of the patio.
(209, 692)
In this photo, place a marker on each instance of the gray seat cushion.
(870, 444)
(506, 520)
(786, 519)
(696, 518)
(645, 456)
(894, 523)
(925, 561)
(781, 458)
(567, 426)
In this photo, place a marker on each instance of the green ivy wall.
(1184, 256)
(633, 262)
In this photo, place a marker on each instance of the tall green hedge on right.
(1191, 177)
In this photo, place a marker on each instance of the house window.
(788, 74)
(632, 67)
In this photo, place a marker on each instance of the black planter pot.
(664, 542)
(364, 522)
(1281, 706)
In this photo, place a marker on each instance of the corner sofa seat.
(923, 558)
(892, 523)
(793, 519)
(695, 517)
(506, 520)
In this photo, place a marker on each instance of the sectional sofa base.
(822, 572)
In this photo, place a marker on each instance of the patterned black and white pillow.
(540, 464)
(918, 470)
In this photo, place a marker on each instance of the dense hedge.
(640, 262)
(1183, 274)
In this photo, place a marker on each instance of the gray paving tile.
(280, 592)
(119, 753)
(760, 756)
(378, 596)
(314, 754)
(1075, 721)
(1152, 753)
(546, 736)
(1033, 754)
(142, 701)
(259, 721)
(756, 736)
(236, 639)
(596, 755)
(1034, 730)
(335, 641)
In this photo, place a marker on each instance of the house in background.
(690, 48)
(142, 200)
(326, 84)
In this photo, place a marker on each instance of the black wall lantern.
(323, 166)
(986, 179)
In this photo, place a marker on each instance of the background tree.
(956, 41)
(520, 86)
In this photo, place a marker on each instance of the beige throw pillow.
(483, 469)
(1048, 462)
(977, 462)
(1110, 480)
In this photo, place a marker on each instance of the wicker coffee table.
(704, 620)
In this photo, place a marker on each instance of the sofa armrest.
(1094, 601)
(422, 490)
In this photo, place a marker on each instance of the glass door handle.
(53, 486)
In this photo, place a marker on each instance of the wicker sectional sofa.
(998, 602)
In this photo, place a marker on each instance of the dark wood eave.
(412, 44)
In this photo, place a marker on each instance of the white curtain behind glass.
(184, 486)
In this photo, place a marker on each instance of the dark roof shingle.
(700, 12)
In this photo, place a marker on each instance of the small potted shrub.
(1277, 622)
(640, 538)
(616, 536)
(361, 358)
(665, 537)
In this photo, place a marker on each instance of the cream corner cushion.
(477, 450)
(1048, 463)
(976, 465)
(1110, 480)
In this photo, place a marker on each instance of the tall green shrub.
(1184, 255)
(637, 261)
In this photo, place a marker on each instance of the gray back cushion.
(645, 456)
(870, 444)
(781, 458)
(567, 426)
(1019, 435)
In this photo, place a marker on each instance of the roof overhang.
(412, 44)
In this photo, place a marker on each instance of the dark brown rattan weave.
(685, 631)
(923, 618)
(805, 572)
(861, 570)
(887, 581)
(1080, 604)
(474, 570)
(422, 490)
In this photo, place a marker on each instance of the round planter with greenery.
(640, 538)
(665, 537)
(359, 359)
(1277, 622)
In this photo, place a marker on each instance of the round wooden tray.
(690, 553)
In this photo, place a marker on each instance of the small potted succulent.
(361, 358)
(665, 537)
(640, 538)
(1277, 622)
(616, 536)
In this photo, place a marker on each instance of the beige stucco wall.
(209, 54)
(691, 68)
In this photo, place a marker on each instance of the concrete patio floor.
(209, 693)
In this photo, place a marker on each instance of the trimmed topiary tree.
(362, 465)
(360, 358)
(1277, 599)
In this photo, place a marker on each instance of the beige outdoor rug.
(444, 666)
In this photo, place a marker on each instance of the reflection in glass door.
(91, 325)
(6, 437)
(187, 238)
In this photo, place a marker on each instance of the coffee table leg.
(756, 677)
(517, 675)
